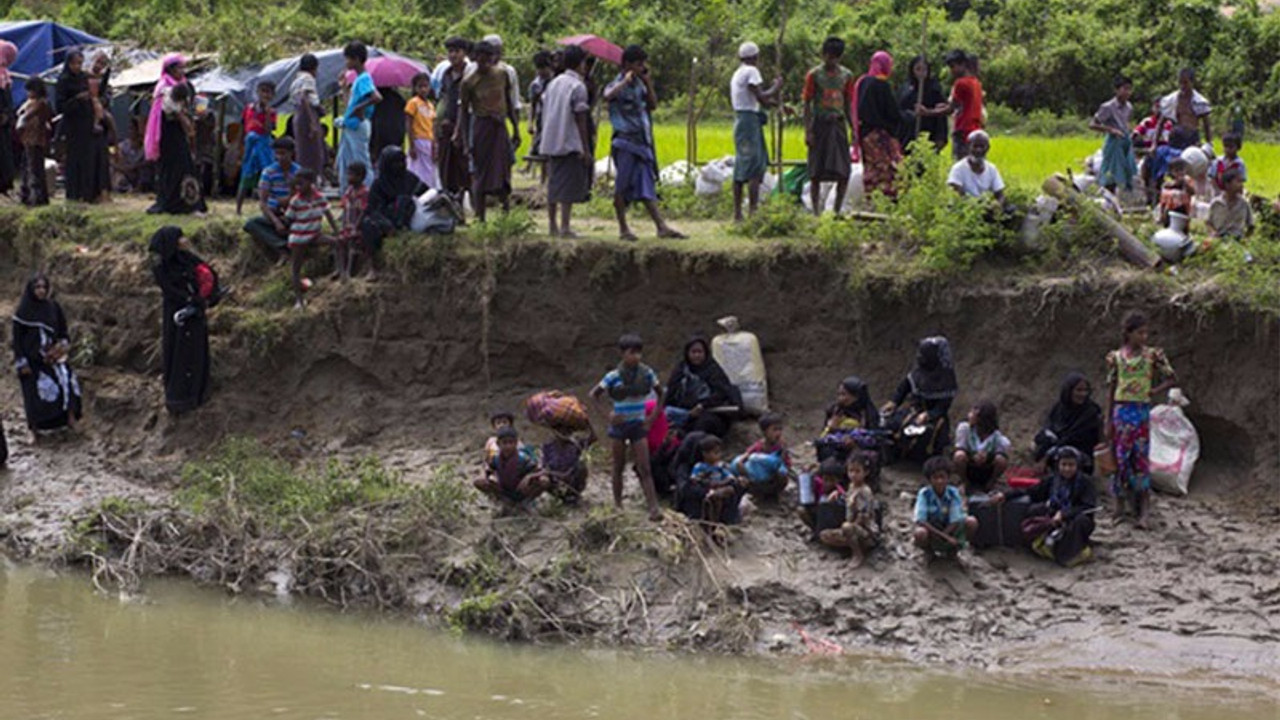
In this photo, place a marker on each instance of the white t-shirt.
(740, 88)
(974, 184)
(994, 444)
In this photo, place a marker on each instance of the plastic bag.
(738, 352)
(759, 467)
(1175, 446)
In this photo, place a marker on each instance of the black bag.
(829, 516)
(999, 524)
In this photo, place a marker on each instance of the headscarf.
(174, 268)
(1060, 491)
(8, 54)
(1074, 425)
(36, 312)
(392, 181)
(155, 118)
(880, 67)
(862, 410)
(684, 389)
(934, 376)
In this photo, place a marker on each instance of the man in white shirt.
(974, 176)
(751, 159)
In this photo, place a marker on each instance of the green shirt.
(828, 95)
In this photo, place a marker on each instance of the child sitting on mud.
(982, 451)
(721, 504)
(941, 522)
(767, 462)
(860, 531)
(564, 460)
(498, 419)
(824, 486)
(513, 476)
(628, 387)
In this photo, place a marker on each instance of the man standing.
(564, 137)
(485, 110)
(966, 102)
(750, 156)
(1187, 108)
(828, 97)
(450, 158)
(631, 98)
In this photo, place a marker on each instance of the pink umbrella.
(595, 45)
(391, 71)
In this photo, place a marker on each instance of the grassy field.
(1023, 161)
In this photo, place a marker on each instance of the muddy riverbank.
(406, 369)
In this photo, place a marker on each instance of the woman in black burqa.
(190, 288)
(699, 384)
(921, 406)
(1074, 421)
(391, 203)
(50, 389)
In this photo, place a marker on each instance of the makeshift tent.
(41, 45)
(332, 66)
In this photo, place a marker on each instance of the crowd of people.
(674, 435)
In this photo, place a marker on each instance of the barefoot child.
(1135, 374)
(34, 118)
(828, 96)
(355, 202)
(628, 386)
(941, 523)
(421, 114)
(860, 531)
(512, 476)
(1119, 166)
(1229, 214)
(1229, 161)
(1177, 192)
(259, 124)
(306, 214)
(824, 485)
(498, 419)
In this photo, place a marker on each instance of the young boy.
(259, 124)
(751, 158)
(966, 101)
(34, 118)
(1230, 160)
(632, 99)
(543, 76)
(628, 387)
(422, 132)
(860, 531)
(723, 487)
(1229, 214)
(498, 419)
(566, 142)
(306, 214)
(355, 201)
(512, 476)
(941, 522)
(771, 426)
(1177, 193)
(485, 109)
(828, 97)
(1119, 166)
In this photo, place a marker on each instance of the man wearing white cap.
(750, 157)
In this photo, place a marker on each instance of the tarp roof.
(41, 45)
(332, 65)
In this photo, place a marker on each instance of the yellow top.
(422, 118)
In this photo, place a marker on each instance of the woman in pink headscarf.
(879, 125)
(170, 130)
(8, 53)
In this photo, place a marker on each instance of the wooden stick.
(777, 57)
(924, 54)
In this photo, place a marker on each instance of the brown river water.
(181, 652)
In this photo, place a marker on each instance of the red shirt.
(967, 93)
(257, 121)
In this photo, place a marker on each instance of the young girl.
(422, 119)
(1135, 374)
(860, 532)
(982, 451)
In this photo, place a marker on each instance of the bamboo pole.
(924, 53)
(781, 113)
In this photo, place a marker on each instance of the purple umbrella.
(391, 71)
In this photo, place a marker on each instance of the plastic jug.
(738, 352)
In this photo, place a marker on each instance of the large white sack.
(1175, 446)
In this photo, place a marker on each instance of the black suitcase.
(999, 525)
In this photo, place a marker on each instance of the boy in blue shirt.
(512, 477)
(941, 522)
(628, 387)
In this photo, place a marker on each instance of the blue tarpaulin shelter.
(41, 45)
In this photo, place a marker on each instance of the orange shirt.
(422, 118)
(967, 93)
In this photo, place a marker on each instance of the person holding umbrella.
(631, 99)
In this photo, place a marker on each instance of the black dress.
(7, 166)
(84, 149)
(391, 198)
(388, 122)
(1076, 499)
(933, 127)
(50, 391)
(178, 188)
(186, 343)
(707, 385)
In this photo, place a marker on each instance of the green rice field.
(1023, 160)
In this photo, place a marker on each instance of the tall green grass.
(1024, 161)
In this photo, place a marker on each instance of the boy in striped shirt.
(305, 215)
(628, 387)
